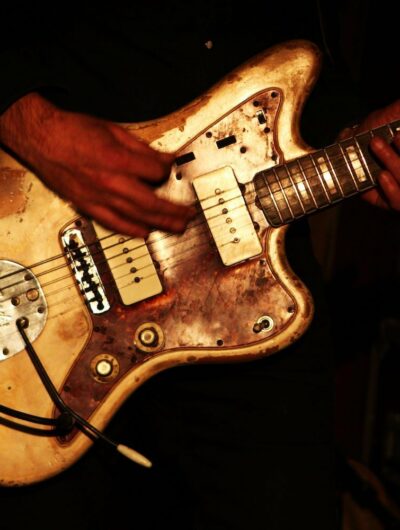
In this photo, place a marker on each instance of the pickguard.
(204, 304)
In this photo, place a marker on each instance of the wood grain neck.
(317, 180)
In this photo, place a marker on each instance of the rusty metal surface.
(12, 191)
(204, 304)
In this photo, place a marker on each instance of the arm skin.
(387, 195)
(107, 173)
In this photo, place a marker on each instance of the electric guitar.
(87, 316)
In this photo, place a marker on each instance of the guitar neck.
(317, 180)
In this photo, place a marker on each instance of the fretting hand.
(387, 195)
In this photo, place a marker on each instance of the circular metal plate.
(20, 296)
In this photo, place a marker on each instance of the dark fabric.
(246, 446)
(139, 61)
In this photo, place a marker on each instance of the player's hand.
(107, 173)
(387, 195)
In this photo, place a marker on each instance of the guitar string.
(291, 186)
(66, 277)
(340, 157)
(165, 236)
(301, 173)
(111, 281)
(201, 224)
(74, 287)
(176, 263)
(151, 243)
(196, 204)
(332, 158)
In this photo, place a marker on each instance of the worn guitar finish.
(199, 309)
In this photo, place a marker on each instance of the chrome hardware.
(85, 271)
(104, 368)
(20, 296)
(149, 337)
(263, 324)
(134, 283)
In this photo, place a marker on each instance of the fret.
(318, 192)
(362, 178)
(298, 197)
(349, 166)
(394, 127)
(293, 199)
(301, 186)
(390, 130)
(273, 205)
(306, 182)
(342, 173)
(362, 158)
(332, 172)
(372, 167)
(322, 180)
(283, 194)
(384, 131)
(272, 183)
(279, 196)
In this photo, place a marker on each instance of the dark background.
(358, 247)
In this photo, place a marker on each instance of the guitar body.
(206, 311)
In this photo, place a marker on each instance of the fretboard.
(320, 179)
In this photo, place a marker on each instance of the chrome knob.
(148, 337)
(104, 368)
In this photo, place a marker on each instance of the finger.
(116, 222)
(376, 198)
(148, 168)
(346, 133)
(391, 189)
(396, 142)
(153, 219)
(110, 154)
(387, 155)
(133, 143)
(144, 197)
(118, 159)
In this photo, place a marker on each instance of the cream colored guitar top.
(106, 311)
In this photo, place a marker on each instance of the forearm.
(107, 173)
(23, 126)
